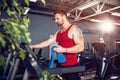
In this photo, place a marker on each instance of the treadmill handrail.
(30, 51)
(59, 71)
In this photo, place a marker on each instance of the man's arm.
(46, 43)
(77, 36)
(78, 39)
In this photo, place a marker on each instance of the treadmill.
(33, 65)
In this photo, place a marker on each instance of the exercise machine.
(34, 65)
(104, 61)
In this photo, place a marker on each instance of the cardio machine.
(35, 65)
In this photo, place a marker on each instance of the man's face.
(59, 19)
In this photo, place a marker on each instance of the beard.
(59, 23)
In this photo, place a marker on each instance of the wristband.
(66, 50)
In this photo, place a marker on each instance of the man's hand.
(60, 49)
(31, 46)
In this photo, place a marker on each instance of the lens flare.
(106, 26)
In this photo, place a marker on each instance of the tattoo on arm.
(79, 34)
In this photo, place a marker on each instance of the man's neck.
(66, 25)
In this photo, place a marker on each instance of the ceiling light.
(115, 14)
(88, 4)
(95, 20)
(33, 0)
(26, 10)
(100, 21)
(107, 26)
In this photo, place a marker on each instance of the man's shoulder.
(74, 27)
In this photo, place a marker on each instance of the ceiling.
(97, 12)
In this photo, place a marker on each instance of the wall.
(41, 28)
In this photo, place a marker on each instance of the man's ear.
(64, 16)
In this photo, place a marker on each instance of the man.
(70, 42)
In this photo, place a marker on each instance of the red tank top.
(66, 42)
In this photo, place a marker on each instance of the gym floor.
(89, 76)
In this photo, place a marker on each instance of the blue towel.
(60, 57)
